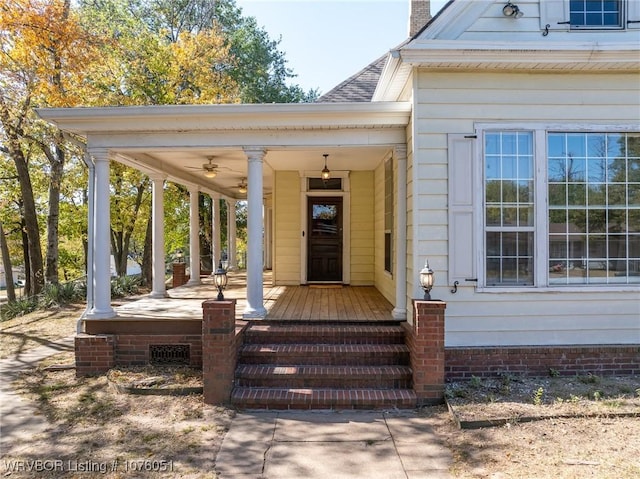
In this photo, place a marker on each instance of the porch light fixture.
(242, 186)
(220, 280)
(326, 173)
(179, 256)
(426, 280)
(511, 10)
(210, 173)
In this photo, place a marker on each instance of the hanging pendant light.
(326, 173)
(242, 186)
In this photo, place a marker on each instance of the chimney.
(419, 15)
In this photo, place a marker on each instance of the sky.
(327, 41)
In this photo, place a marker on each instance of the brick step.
(324, 354)
(375, 377)
(324, 333)
(322, 398)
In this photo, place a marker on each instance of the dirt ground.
(556, 427)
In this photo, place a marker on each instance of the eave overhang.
(521, 56)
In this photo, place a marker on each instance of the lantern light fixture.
(326, 173)
(180, 256)
(242, 186)
(426, 280)
(220, 280)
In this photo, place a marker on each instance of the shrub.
(125, 286)
(17, 308)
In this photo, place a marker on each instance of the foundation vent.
(169, 354)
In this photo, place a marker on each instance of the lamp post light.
(426, 280)
(179, 256)
(220, 280)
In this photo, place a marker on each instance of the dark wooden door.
(324, 239)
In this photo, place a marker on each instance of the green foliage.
(589, 379)
(475, 382)
(52, 295)
(13, 309)
(538, 396)
(123, 286)
(59, 294)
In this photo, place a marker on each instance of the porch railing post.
(425, 340)
(219, 350)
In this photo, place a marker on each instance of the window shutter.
(633, 14)
(462, 185)
(555, 14)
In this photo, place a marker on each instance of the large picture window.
(575, 222)
(594, 207)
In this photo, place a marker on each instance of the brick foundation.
(221, 341)
(126, 343)
(133, 349)
(94, 354)
(425, 340)
(464, 363)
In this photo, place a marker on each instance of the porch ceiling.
(185, 166)
(176, 141)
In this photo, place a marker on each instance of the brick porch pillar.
(179, 274)
(425, 339)
(219, 350)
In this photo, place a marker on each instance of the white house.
(500, 142)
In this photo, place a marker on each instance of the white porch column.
(158, 288)
(231, 235)
(216, 227)
(101, 233)
(194, 238)
(255, 307)
(400, 309)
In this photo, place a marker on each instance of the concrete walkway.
(20, 420)
(335, 445)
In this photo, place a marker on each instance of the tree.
(43, 52)
(6, 261)
(259, 67)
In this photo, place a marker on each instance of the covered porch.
(270, 157)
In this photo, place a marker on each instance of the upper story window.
(591, 15)
(595, 13)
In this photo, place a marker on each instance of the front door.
(324, 239)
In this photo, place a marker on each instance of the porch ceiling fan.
(210, 169)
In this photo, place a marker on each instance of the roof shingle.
(358, 87)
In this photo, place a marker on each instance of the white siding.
(362, 227)
(448, 102)
(287, 228)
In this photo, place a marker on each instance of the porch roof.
(175, 141)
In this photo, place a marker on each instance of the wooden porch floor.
(283, 303)
(326, 303)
